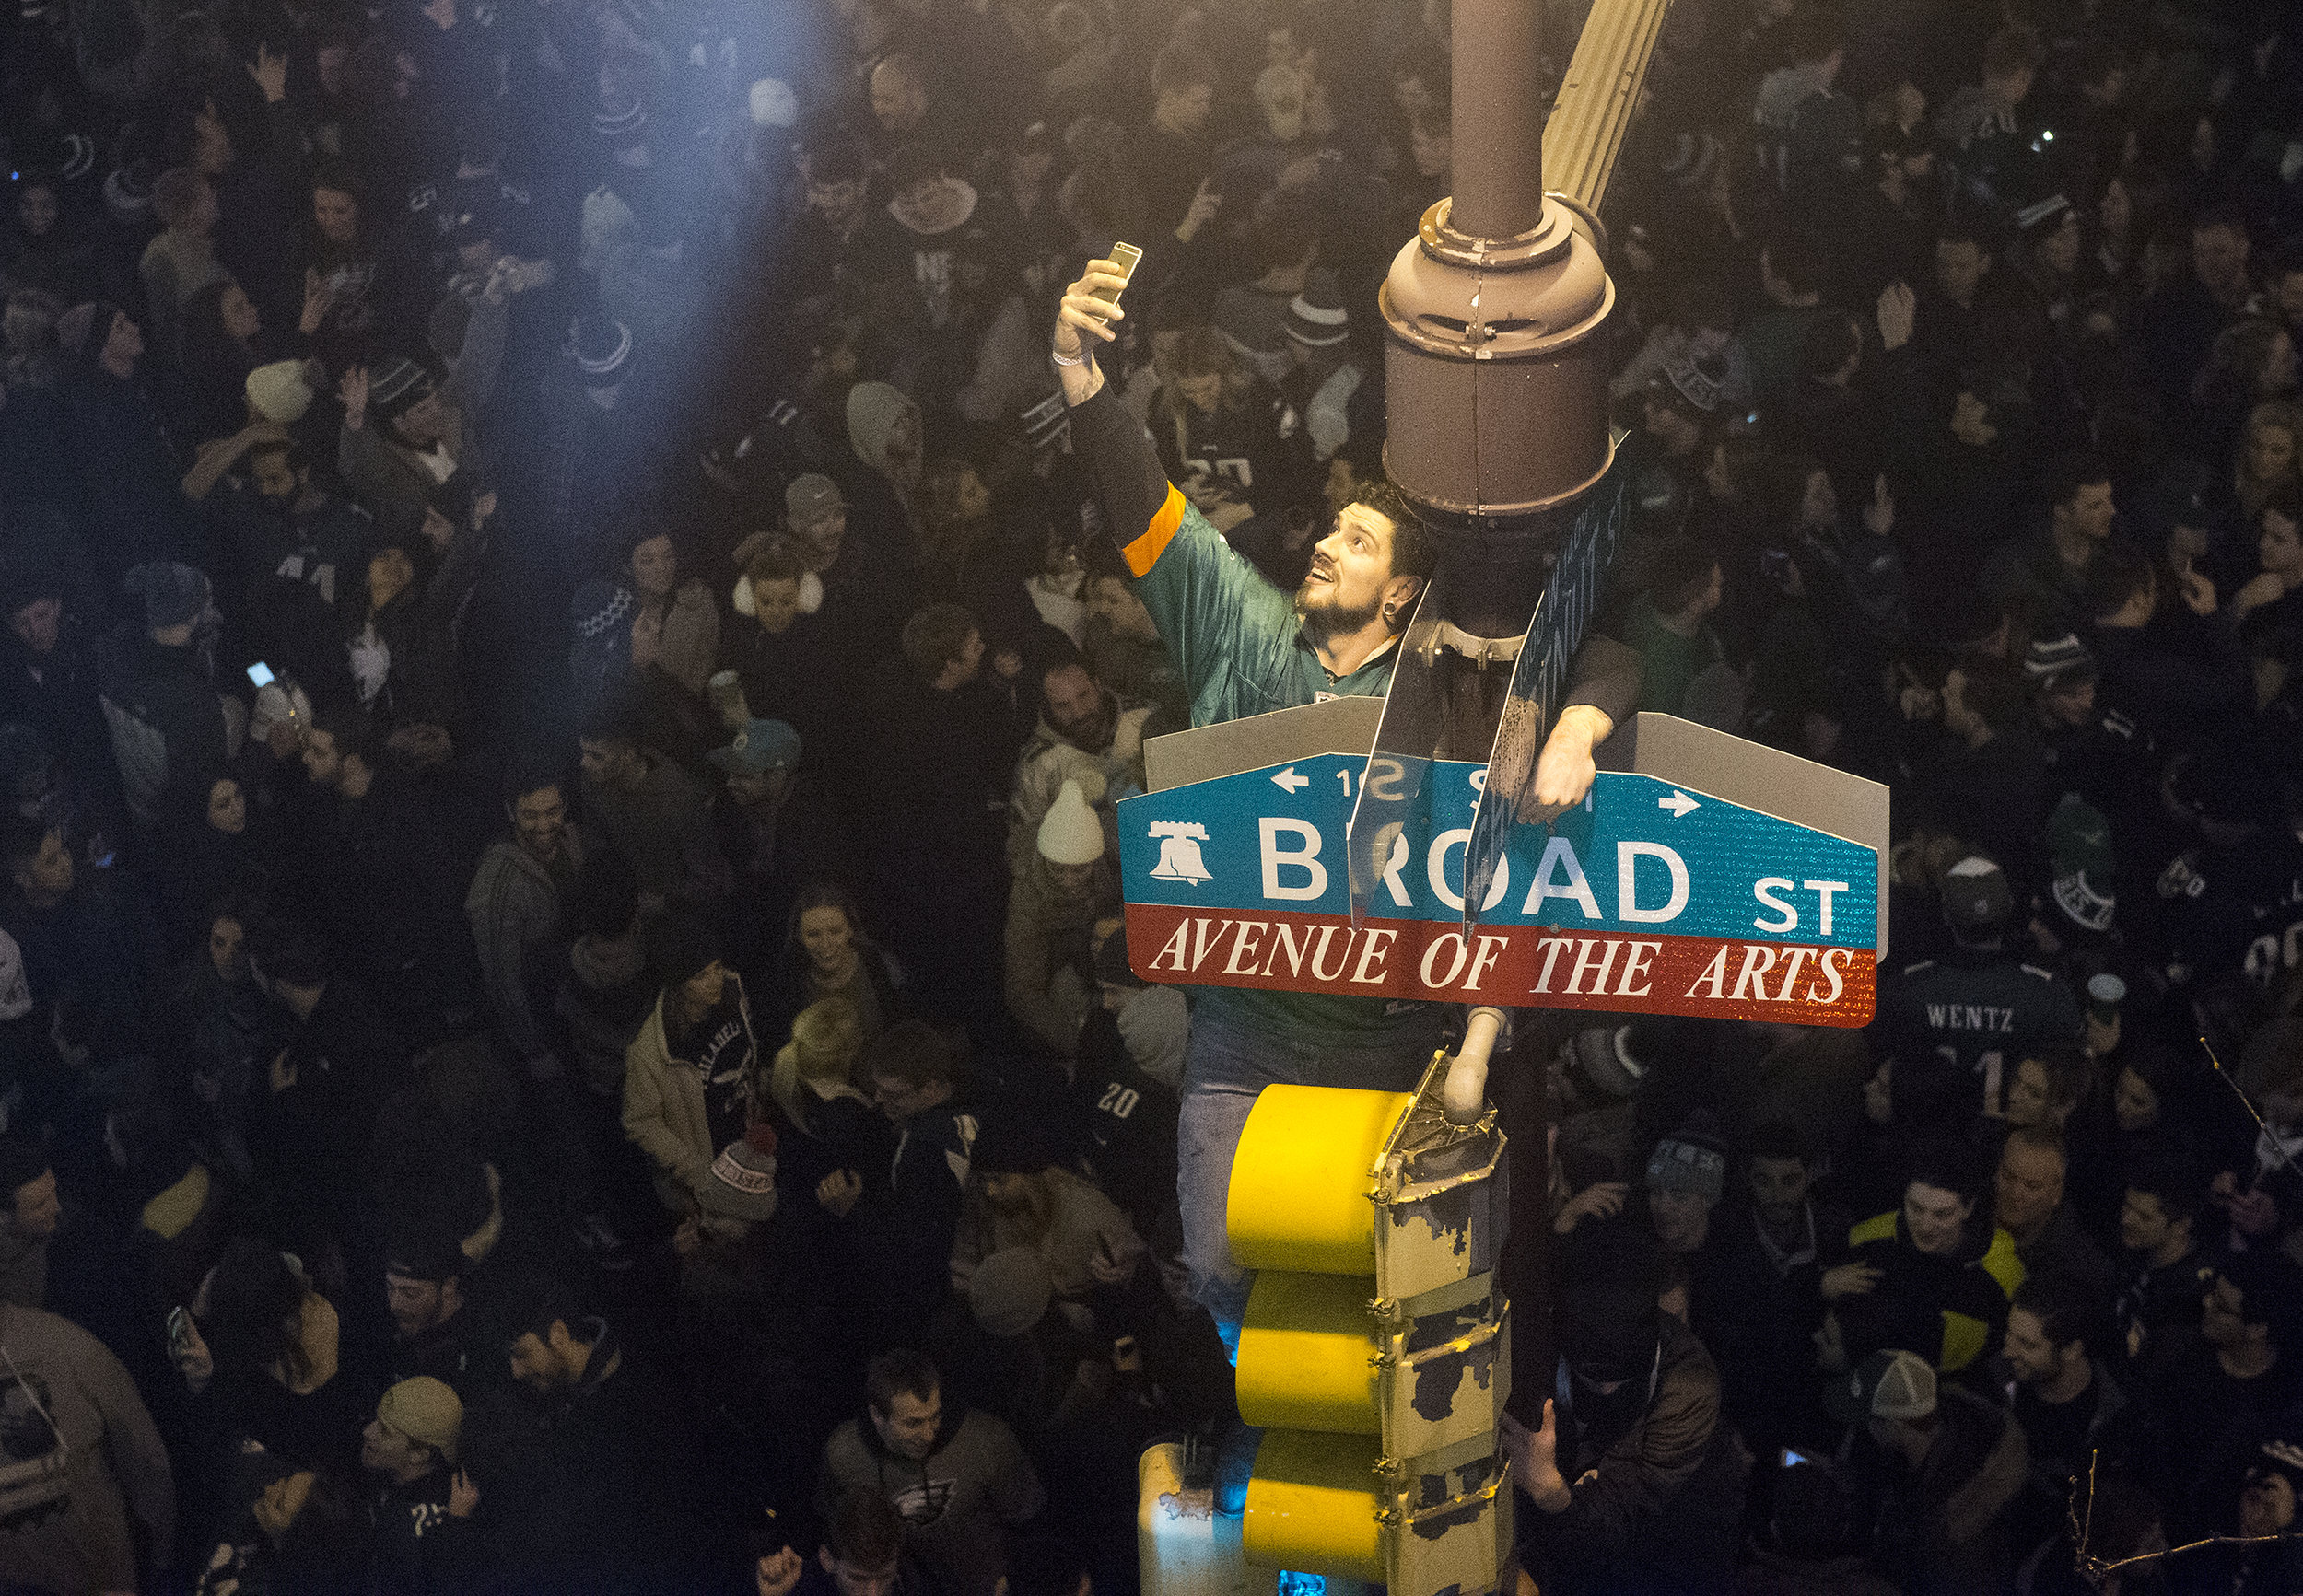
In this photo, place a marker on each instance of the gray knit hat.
(398, 384)
(2055, 662)
(172, 593)
(1691, 1158)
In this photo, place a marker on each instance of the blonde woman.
(2269, 456)
(835, 1125)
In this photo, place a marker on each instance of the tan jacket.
(663, 1106)
(688, 643)
(1051, 1003)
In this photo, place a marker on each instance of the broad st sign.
(1652, 897)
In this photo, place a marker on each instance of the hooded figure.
(170, 728)
(884, 428)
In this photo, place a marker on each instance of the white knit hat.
(279, 391)
(1071, 834)
(772, 103)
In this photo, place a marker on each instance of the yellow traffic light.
(1375, 1351)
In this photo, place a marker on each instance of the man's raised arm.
(1141, 508)
(1207, 602)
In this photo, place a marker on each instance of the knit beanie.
(772, 103)
(872, 409)
(1316, 316)
(743, 1177)
(1604, 1056)
(280, 392)
(2079, 840)
(2056, 662)
(1691, 1158)
(172, 593)
(679, 947)
(1111, 961)
(1009, 1291)
(1069, 834)
(427, 1411)
(398, 384)
(29, 575)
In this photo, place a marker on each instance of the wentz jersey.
(1976, 1014)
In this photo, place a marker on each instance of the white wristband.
(1060, 360)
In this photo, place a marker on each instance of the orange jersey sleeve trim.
(1144, 552)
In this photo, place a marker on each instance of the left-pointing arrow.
(1288, 781)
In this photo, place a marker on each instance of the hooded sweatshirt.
(112, 1464)
(514, 907)
(953, 1501)
(873, 410)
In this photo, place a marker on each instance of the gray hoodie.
(514, 907)
(57, 1381)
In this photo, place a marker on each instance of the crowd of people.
(568, 660)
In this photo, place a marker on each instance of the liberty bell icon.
(1179, 851)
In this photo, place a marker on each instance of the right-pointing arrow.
(1678, 803)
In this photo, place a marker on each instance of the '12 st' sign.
(1649, 898)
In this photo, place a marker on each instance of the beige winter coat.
(663, 1106)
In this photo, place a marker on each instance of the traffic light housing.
(1375, 1352)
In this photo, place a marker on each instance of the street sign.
(1652, 897)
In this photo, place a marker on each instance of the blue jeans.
(1224, 1068)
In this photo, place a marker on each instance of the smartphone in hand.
(1127, 257)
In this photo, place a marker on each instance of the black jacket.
(1940, 1528)
(1655, 1502)
(310, 1139)
(130, 475)
(613, 1506)
(166, 718)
